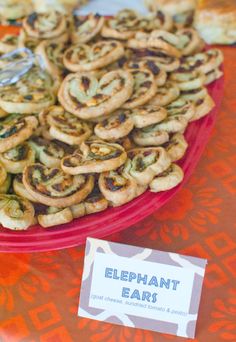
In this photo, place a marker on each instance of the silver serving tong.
(13, 71)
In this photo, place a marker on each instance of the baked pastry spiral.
(117, 126)
(150, 136)
(66, 127)
(161, 58)
(94, 157)
(86, 28)
(52, 187)
(89, 97)
(15, 129)
(126, 22)
(45, 25)
(53, 216)
(17, 158)
(144, 88)
(176, 146)
(168, 179)
(49, 152)
(143, 164)
(118, 187)
(165, 94)
(29, 95)
(16, 213)
(84, 57)
(147, 63)
(181, 107)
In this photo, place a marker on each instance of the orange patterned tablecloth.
(39, 292)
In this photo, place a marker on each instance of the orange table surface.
(39, 292)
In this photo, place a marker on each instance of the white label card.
(141, 288)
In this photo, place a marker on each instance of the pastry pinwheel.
(143, 164)
(17, 158)
(65, 127)
(88, 97)
(49, 152)
(85, 28)
(53, 187)
(84, 57)
(15, 129)
(168, 179)
(96, 157)
(45, 25)
(16, 213)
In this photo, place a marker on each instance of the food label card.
(141, 288)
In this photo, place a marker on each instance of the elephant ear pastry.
(144, 89)
(181, 107)
(89, 97)
(150, 136)
(159, 39)
(148, 115)
(45, 25)
(122, 26)
(31, 94)
(49, 152)
(203, 107)
(52, 187)
(150, 64)
(16, 213)
(54, 217)
(143, 164)
(168, 179)
(15, 129)
(190, 41)
(172, 124)
(84, 57)
(165, 94)
(66, 127)
(17, 158)
(97, 156)
(117, 187)
(86, 28)
(117, 126)
(162, 59)
(176, 146)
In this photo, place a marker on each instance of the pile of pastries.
(214, 20)
(104, 120)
